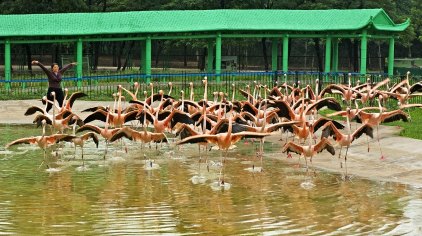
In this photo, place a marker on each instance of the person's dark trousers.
(59, 97)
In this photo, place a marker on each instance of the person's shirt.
(54, 79)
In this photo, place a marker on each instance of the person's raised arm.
(40, 65)
(67, 67)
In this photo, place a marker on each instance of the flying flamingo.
(80, 141)
(223, 140)
(42, 141)
(374, 119)
(105, 132)
(345, 140)
(139, 136)
(309, 151)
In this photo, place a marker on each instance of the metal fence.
(101, 87)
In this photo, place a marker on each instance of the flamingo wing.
(394, 116)
(29, 140)
(247, 134)
(181, 117)
(285, 125)
(89, 127)
(124, 132)
(39, 118)
(324, 144)
(417, 87)
(364, 129)
(203, 138)
(91, 135)
(93, 109)
(73, 98)
(292, 147)
(97, 115)
(33, 109)
(159, 137)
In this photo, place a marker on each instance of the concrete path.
(402, 163)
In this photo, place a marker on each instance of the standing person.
(54, 79)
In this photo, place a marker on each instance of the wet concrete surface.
(402, 160)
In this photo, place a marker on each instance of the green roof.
(156, 22)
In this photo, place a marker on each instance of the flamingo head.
(221, 94)
(170, 84)
(191, 84)
(151, 85)
(182, 92)
(66, 90)
(161, 92)
(53, 94)
(145, 93)
(136, 84)
(233, 86)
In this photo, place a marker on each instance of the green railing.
(101, 87)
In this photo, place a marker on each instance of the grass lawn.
(411, 129)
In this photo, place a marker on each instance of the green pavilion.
(212, 25)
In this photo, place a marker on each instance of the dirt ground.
(402, 160)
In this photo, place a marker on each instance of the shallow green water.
(120, 195)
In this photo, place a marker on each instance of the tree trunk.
(318, 54)
(159, 50)
(185, 56)
(28, 57)
(356, 56)
(113, 52)
(201, 62)
(264, 53)
(379, 57)
(119, 57)
(96, 52)
(56, 55)
(128, 54)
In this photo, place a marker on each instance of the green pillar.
(142, 64)
(79, 53)
(7, 64)
(285, 53)
(327, 57)
(218, 57)
(391, 57)
(148, 59)
(363, 52)
(335, 55)
(274, 55)
(210, 57)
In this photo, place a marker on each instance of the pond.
(124, 195)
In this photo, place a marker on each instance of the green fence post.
(79, 52)
(363, 52)
(274, 55)
(391, 58)
(7, 64)
(148, 59)
(335, 58)
(210, 57)
(218, 57)
(285, 53)
(327, 69)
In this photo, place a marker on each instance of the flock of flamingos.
(224, 121)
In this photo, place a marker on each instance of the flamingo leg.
(43, 161)
(83, 161)
(200, 159)
(379, 144)
(345, 162)
(105, 152)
